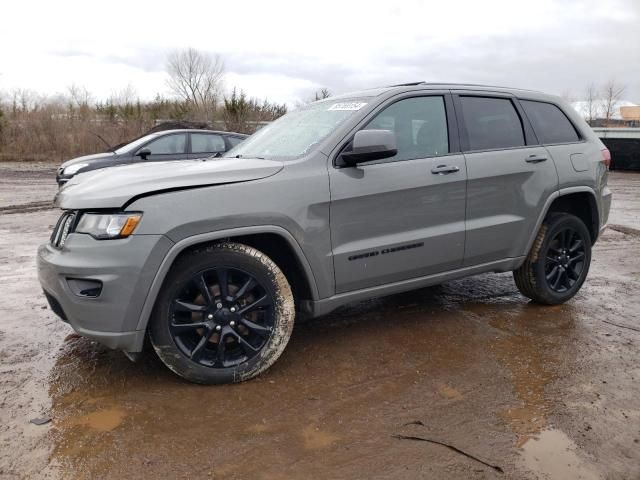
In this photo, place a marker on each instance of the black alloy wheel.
(224, 314)
(558, 262)
(564, 260)
(222, 317)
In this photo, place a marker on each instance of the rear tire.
(224, 314)
(558, 262)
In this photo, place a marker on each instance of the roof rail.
(448, 84)
(410, 84)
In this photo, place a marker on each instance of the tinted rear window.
(491, 123)
(207, 143)
(549, 122)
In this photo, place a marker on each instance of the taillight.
(606, 157)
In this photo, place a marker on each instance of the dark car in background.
(156, 147)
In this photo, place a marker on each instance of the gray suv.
(353, 197)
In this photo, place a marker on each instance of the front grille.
(63, 228)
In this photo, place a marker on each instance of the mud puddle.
(553, 455)
(471, 363)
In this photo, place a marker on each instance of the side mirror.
(369, 145)
(144, 153)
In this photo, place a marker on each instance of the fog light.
(84, 287)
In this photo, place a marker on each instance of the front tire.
(225, 314)
(558, 262)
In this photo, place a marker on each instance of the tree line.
(56, 127)
(600, 103)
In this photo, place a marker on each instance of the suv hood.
(114, 187)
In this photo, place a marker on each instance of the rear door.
(401, 217)
(575, 159)
(510, 176)
(206, 145)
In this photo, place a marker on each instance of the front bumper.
(125, 267)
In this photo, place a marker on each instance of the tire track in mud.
(27, 207)
(624, 229)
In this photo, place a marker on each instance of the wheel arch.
(272, 240)
(579, 201)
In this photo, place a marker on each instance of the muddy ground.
(526, 391)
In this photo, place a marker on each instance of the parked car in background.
(155, 147)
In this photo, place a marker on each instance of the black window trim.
(450, 114)
(530, 138)
(581, 137)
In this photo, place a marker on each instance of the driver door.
(401, 217)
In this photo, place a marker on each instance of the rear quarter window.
(549, 122)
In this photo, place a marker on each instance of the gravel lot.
(519, 390)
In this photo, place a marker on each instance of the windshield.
(136, 143)
(296, 133)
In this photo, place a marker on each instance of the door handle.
(444, 169)
(535, 158)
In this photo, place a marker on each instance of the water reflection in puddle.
(552, 455)
(534, 346)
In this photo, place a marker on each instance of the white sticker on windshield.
(347, 106)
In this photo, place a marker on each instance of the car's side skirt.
(326, 305)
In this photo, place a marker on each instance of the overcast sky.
(284, 50)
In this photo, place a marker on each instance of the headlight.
(103, 226)
(71, 169)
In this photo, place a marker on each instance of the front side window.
(206, 143)
(297, 133)
(419, 124)
(170, 144)
(491, 123)
(549, 122)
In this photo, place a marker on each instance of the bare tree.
(319, 94)
(196, 78)
(79, 101)
(243, 114)
(612, 95)
(23, 100)
(322, 94)
(2, 124)
(593, 103)
(125, 96)
(80, 96)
